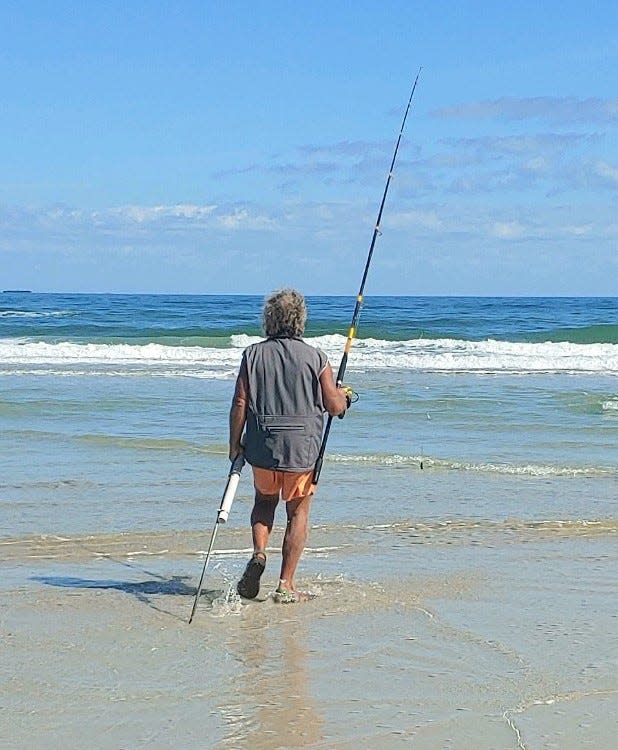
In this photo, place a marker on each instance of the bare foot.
(291, 596)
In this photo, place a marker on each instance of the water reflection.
(270, 703)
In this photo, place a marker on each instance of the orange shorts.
(291, 484)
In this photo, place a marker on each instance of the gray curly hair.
(285, 314)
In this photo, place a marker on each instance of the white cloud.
(520, 164)
(414, 218)
(507, 230)
(522, 145)
(578, 230)
(607, 172)
(341, 163)
(568, 109)
(244, 219)
(147, 214)
(199, 247)
(130, 219)
(347, 149)
(536, 164)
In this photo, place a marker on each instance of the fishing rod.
(239, 461)
(222, 515)
(359, 297)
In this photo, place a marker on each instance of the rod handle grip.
(230, 488)
(317, 469)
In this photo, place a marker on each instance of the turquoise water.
(113, 410)
(462, 545)
(193, 319)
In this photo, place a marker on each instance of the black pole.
(359, 297)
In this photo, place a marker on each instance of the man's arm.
(238, 411)
(333, 398)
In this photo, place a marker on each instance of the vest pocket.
(280, 442)
(283, 427)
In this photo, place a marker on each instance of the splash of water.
(228, 603)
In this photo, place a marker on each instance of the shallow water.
(469, 603)
(505, 638)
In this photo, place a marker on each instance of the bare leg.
(294, 540)
(262, 519)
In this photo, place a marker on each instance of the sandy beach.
(496, 641)
(439, 181)
(469, 604)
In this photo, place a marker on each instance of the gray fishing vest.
(285, 409)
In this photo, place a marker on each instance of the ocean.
(462, 542)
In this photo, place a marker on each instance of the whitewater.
(420, 355)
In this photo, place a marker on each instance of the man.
(283, 388)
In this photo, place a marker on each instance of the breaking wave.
(480, 467)
(415, 355)
(33, 314)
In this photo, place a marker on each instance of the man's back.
(285, 409)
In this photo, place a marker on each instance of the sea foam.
(416, 355)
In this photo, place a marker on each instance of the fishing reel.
(351, 397)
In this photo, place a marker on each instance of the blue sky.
(206, 147)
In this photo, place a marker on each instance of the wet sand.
(469, 641)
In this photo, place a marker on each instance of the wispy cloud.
(156, 214)
(607, 173)
(345, 149)
(134, 221)
(522, 145)
(515, 225)
(328, 162)
(551, 162)
(552, 109)
(470, 241)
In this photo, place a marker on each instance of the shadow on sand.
(141, 590)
